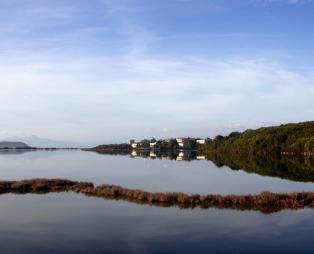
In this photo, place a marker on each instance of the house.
(186, 143)
(133, 143)
(200, 141)
(180, 142)
(152, 144)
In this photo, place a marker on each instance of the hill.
(13, 145)
(35, 141)
(287, 139)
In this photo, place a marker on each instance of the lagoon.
(73, 223)
(195, 176)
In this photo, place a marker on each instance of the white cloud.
(113, 97)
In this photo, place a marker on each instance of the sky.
(102, 71)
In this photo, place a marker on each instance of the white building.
(152, 144)
(180, 142)
(200, 141)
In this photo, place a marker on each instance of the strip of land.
(265, 202)
(294, 140)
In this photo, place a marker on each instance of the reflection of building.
(200, 157)
(152, 154)
(180, 156)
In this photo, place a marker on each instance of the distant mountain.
(12, 145)
(39, 142)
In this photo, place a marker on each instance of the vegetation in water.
(265, 202)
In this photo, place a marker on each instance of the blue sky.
(110, 70)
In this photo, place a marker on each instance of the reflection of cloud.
(13, 152)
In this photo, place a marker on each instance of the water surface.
(73, 223)
(196, 176)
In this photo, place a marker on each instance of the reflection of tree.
(111, 152)
(291, 168)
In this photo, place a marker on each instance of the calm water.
(74, 223)
(147, 174)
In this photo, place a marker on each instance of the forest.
(295, 139)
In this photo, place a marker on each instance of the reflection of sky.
(72, 223)
(151, 175)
